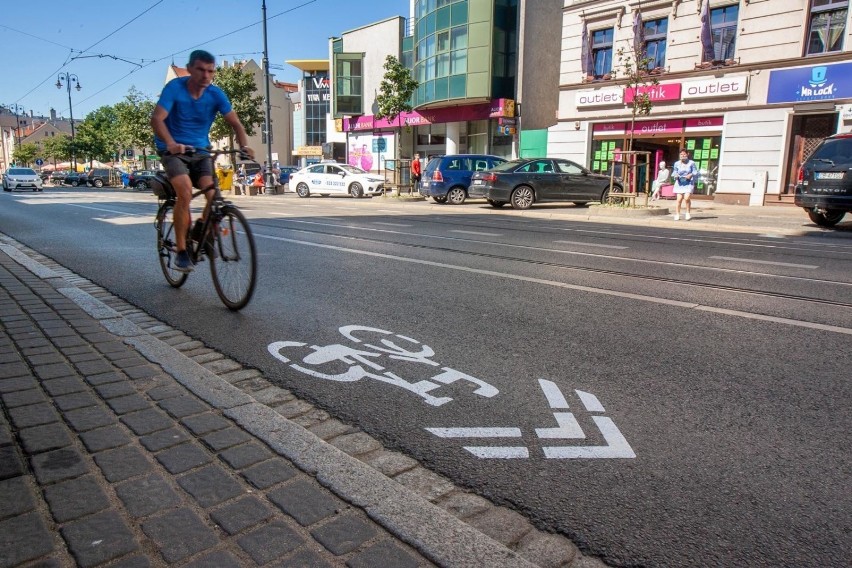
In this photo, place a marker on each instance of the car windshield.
(21, 172)
(507, 166)
(352, 169)
(839, 151)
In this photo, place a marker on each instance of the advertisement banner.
(417, 118)
(369, 152)
(805, 84)
(656, 93)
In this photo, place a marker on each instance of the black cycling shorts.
(196, 166)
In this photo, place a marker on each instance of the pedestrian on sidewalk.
(416, 172)
(684, 172)
(662, 179)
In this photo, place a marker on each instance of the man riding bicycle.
(183, 117)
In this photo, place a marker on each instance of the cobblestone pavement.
(126, 443)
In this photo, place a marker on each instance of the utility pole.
(269, 175)
(69, 78)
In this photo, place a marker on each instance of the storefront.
(482, 128)
(663, 138)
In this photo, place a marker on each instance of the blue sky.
(45, 38)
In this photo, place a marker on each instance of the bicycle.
(226, 241)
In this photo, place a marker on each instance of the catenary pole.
(268, 174)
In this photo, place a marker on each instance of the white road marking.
(501, 452)
(125, 220)
(617, 446)
(591, 244)
(627, 295)
(590, 401)
(481, 234)
(568, 428)
(735, 259)
(392, 224)
(476, 432)
(554, 396)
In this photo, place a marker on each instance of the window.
(723, 27)
(602, 51)
(569, 168)
(827, 26)
(348, 70)
(655, 42)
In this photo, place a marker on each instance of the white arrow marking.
(590, 401)
(568, 427)
(476, 432)
(617, 446)
(500, 452)
(553, 394)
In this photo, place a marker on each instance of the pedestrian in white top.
(662, 179)
(684, 172)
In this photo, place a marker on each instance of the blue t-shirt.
(681, 170)
(190, 119)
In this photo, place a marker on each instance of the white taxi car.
(21, 178)
(334, 178)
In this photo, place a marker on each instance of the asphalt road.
(662, 397)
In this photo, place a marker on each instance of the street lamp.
(67, 79)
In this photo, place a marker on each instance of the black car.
(99, 177)
(74, 179)
(524, 182)
(58, 176)
(825, 181)
(446, 178)
(141, 179)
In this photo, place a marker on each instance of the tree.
(134, 122)
(240, 88)
(25, 154)
(395, 91)
(57, 148)
(97, 135)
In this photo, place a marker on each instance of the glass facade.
(348, 87)
(317, 99)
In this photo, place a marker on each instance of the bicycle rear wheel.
(234, 272)
(167, 245)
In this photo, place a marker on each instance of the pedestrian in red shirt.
(416, 172)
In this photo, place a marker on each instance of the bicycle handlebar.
(191, 150)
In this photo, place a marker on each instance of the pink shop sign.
(709, 122)
(656, 93)
(609, 128)
(658, 127)
(416, 118)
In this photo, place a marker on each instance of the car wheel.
(6, 188)
(40, 189)
(456, 196)
(98, 183)
(522, 197)
(496, 204)
(141, 186)
(356, 190)
(75, 183)
(828, 219)
(605, 193)
(302, 190)
(439, 199)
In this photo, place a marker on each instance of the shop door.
(808, 132)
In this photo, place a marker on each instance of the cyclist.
(183, 117)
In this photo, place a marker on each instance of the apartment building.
(748, 87)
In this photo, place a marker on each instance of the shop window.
(827, 26)
(603, 154)
(705, 152)
(655, 42)
(723, 27)
(602, 51)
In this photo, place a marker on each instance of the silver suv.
(825, 181)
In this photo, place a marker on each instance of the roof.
(180, 71)
(309, 64)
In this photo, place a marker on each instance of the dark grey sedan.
(528, 181)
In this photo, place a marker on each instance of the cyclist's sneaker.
(183, 263)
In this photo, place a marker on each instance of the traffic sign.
(39, 162)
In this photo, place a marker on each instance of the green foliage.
(240, 88)
(57, 148)
(634, 70)
(25, 154)
(396, 89)
(133, 128)
(97, 136)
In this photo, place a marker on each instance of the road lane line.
(391, 224)
(507, 452)
(481, 234)
(787, 264)
(614, 293)
(582, 244)
(476, 432)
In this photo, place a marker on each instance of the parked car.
(528, 181)
(824, 188)
(74, 179)
(58, 176)
(446, 178)
(285, 172)
(21, 178)
(335, 178)
(98, 177)
(141, 179)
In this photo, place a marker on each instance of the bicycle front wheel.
(167, 245)
(234, 268)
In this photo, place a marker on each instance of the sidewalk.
(123, 442)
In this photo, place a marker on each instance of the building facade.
(748, 87)
(311, 105)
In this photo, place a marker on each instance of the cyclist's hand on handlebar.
(246, 153)
(175, 149)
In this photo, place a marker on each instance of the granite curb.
(446, 525)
